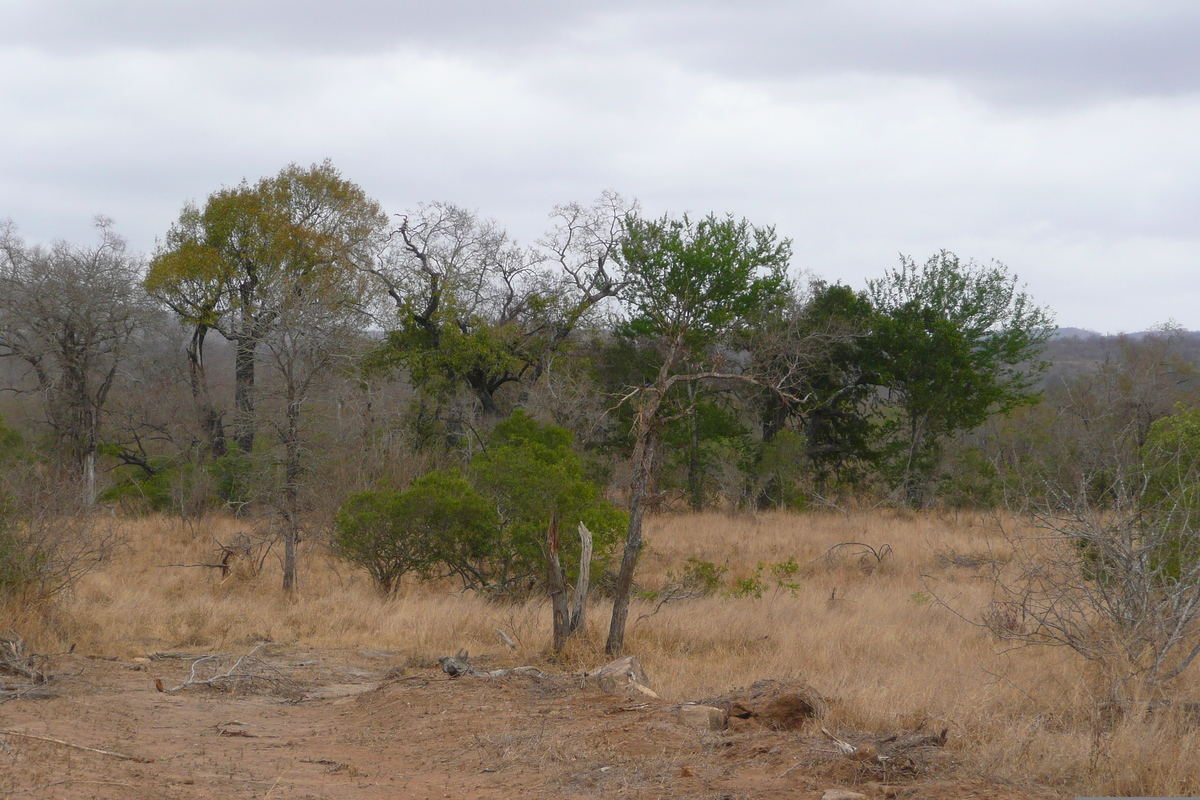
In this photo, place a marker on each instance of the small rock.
(704, 718)
(842, 794)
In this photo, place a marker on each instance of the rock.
(624, 676)
(842, 794)
(703, 718)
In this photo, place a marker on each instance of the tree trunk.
(89, 479)
(291, 538)
(558, 588)
(644, 452)
(243, 394)
(695, 473)
(291, 490)
(582, 583)
(210, 419)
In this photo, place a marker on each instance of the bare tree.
(316, 331)
(71, 313)
(477, 310)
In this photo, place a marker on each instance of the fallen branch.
(15, 661)
(458, 665)
(863, 752)
(109, 753)
(27, 692)
(235, 674)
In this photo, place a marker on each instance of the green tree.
(952, 343)
(690, 287)
(236, 265)
(813, 346)
(488, 527)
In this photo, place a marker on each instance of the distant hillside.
(1075, 351)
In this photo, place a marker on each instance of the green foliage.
(703, 440)
(532, 474)
(953, 343)
(838, 384)
(694, 281)
(156, 491)
(783, 575)
(704, 576)
(970, 480)
(12, 445)
(1170, 502)
(488, 527)
(749, 586)
(20, 563)
(440, 525)
(778, 471)
(234, 474)
(699, 578)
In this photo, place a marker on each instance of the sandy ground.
(362, 724)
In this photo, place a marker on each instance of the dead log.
(460, 666)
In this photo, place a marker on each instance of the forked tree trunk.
(568, 620)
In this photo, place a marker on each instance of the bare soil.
(363, 724)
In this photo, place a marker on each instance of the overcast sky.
(1061, 138)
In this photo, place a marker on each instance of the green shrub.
(19, 563)
(440, 525)
(532, 474)
(778, 471)
(488, 527)
(234, 474)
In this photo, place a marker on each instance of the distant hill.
(1075, 351)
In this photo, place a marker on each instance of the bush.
(47, 541)
(778, 472)
(440, 525)
(487, 527)
(532, 474)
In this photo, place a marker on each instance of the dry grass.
(865, 632)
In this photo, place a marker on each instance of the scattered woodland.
(299, 398)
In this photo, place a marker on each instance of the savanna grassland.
(885, 630)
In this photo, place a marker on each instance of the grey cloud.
(1048, 51)
(1008, 51)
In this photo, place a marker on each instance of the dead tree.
(568, 617)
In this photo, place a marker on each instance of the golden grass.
(865, 633)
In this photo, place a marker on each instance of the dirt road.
(357, 724)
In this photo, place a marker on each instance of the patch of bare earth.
(356, 724)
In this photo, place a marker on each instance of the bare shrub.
(48, 540)
(1111, 567)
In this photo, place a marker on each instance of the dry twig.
(108, 753)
